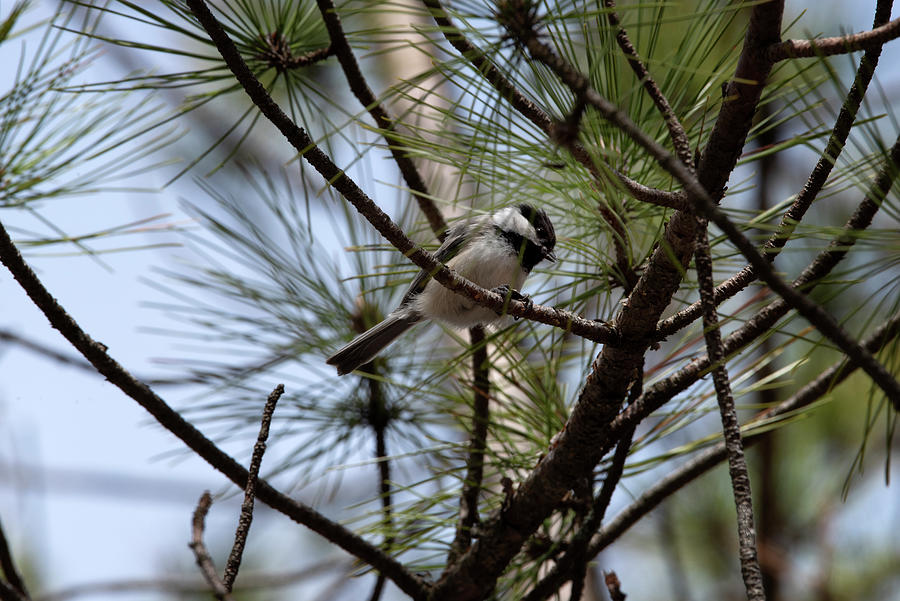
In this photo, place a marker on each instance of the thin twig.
(201, 553)
(811, 189)
(677, 134)
(731, 427)
(8, 567)
(471, 488)
(383, 120)
(243, 529)
(97, 354)
(843, 44)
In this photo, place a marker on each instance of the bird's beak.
(549, 255)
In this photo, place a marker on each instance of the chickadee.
(493, 250)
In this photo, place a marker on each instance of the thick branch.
(171, 420)
(844, 44)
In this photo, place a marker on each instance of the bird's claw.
(513, 294)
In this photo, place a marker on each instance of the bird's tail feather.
(364, 347)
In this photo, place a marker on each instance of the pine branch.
(706, 460)
(587, 435)
(811, 189)
(243, 529)
(171, 420)
(737, 464)
(299, 139)
(837, 45)
(554, 130)
(383, 120)
(761, 26)
(676, 132)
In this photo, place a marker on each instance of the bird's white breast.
(492, 263)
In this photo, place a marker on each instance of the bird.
(496, 251)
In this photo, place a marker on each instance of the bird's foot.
(513, 294)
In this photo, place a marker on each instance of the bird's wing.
(453, 243)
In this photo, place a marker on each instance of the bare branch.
(737, 464)
(676, 132)
(844, 44)
(96, 353)
(243, 529)
(468, 501)
(383, 120)
(201, 553)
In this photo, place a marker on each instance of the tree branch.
(300, 140)
(201, 553)
(588, 433)
(240, 536)
(711, 457)
(171, 420)
(471, 488)
(763, 24)
(383, 120)
(837, 45)
(811, 189)
(731, 428)
(528, 109)
(676, 132)
(706, 460)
